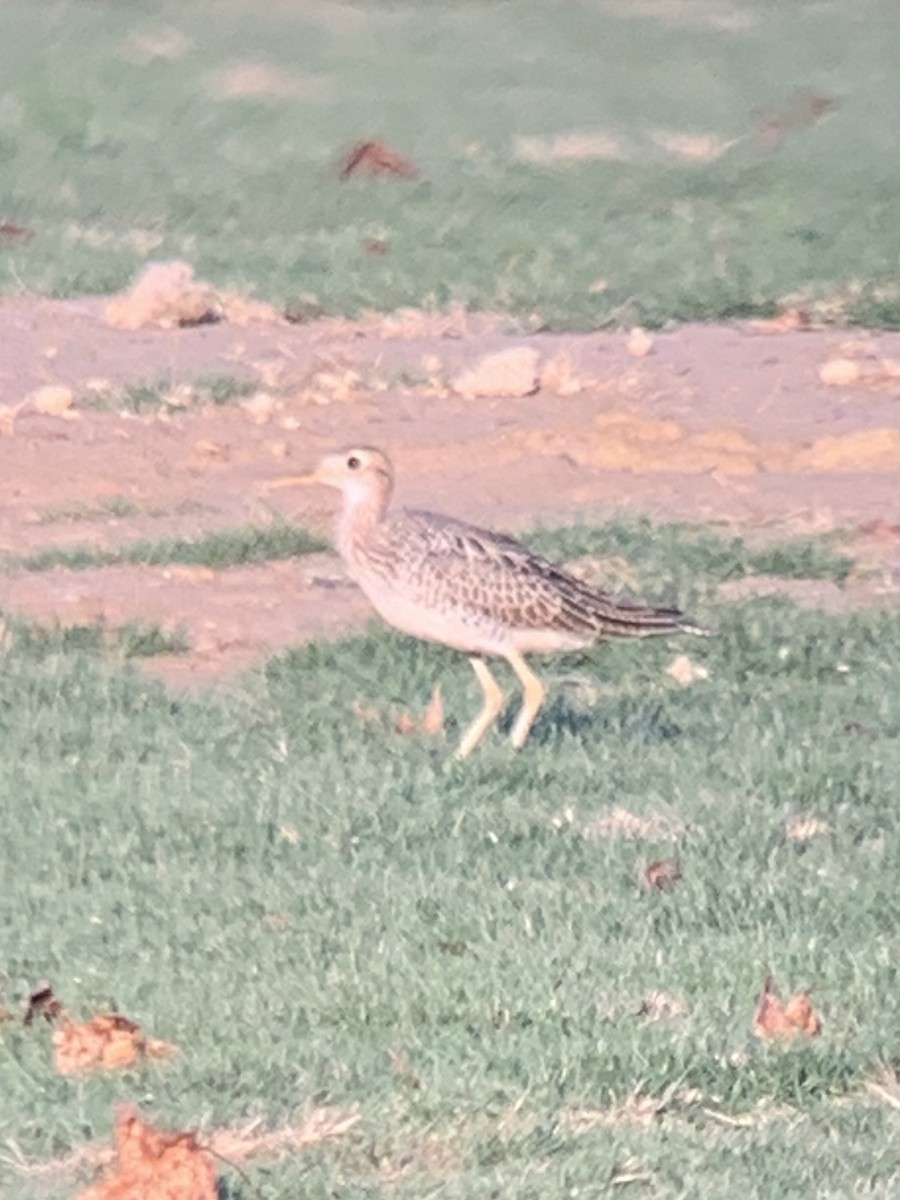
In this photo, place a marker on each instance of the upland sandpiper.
(479, 592)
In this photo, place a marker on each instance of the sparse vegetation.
(165, 393)
(218, 549)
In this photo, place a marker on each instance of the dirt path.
(724, 425)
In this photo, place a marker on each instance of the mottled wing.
(495, 578)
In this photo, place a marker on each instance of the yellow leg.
(493, 706)
(534, 697)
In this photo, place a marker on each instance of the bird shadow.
(638, 721)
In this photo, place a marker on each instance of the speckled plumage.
(480, 592)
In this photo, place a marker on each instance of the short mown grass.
(722, 156)
(294, 895)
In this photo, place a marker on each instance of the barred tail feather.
(624, 622)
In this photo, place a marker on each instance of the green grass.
(679, 560)
(219, 549)
(291, 895)
(112, 156)
(153, 395)
(135, 639)
(115, 506)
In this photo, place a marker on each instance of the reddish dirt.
(723, 425)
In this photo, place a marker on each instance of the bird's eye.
(353, 463)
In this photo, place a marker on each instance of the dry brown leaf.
(109, 1041)
(43, 1003)
(11, 232)
(662, 875)
(783, 1022)
(375, 158)
(377, 247)
(155, 1165)
(432, 720)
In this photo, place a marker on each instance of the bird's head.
(360, 472)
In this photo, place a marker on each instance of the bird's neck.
(362, 513)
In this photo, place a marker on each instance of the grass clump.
(218, 549)
(677, 558)
(154, 395)
(135, 639)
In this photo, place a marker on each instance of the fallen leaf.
(685, 671)
(662, 875)
(775, 1020)
(433, 719)
(42, 1003)
(155, 1165)
(109, 1041)
(377, 247)
(375, 158)
(639, 343)
(406, 723)
(11, 232)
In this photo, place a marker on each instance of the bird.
(479, 592)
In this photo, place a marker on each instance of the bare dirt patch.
(725, 425)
